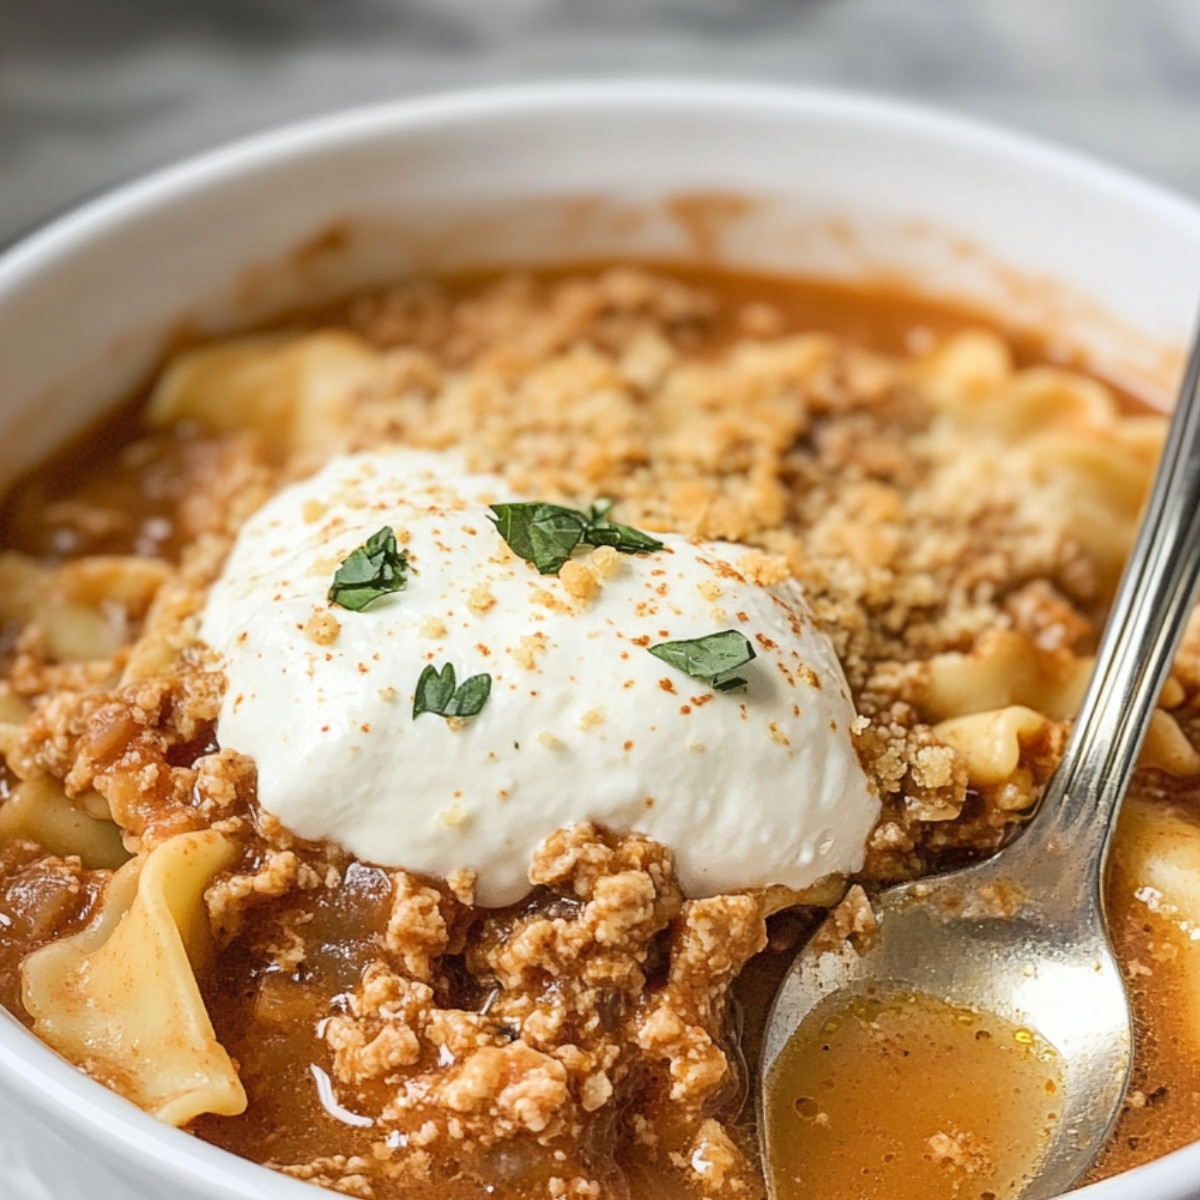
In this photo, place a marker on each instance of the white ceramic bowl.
(797, 181)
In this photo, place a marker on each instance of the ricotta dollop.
(748, 789)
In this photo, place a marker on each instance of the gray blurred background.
(94, 91)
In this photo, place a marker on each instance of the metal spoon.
(1049, 965)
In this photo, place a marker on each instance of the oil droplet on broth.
(905, 1097)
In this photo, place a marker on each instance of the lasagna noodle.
(1064, 432)
(1004, 668)
(991, 744)
(40, 811)
(1059, 427)
(992, 703)
(121, 995)
(82, 609)
(294, 389)
(1101, 479)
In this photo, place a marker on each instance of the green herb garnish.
(437, 692)
(623, 538)
(547, 534)
(712, 657)
(543, 534)
(375, 569)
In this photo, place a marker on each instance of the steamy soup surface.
(429, 729)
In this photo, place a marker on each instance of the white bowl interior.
(794, 182)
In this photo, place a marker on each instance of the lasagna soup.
(429, 729)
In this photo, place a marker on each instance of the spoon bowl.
(1022, 936)
(980, 940)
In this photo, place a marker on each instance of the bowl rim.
(209, 168)
(46, 1083)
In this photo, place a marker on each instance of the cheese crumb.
(324, 566)
(313, 511)
(548, 599)
(590, 719)
(455, 817)
(767, 570)
(580, 580)
(433, 627)
(595, 1092)
(462, 885)
(480, 599)
(322, 627)
(531, 644)
(606, 562)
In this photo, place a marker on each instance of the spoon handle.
(1143, 633)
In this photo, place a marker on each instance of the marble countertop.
(94, 93)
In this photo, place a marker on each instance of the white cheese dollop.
(583, 723)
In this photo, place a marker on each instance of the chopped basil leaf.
(435, 690)
(437, 693)
(731, 683)
(375, 569)
(547, 534)
(711, 657)
(624, 538)
(471, 696)
(543, 534)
